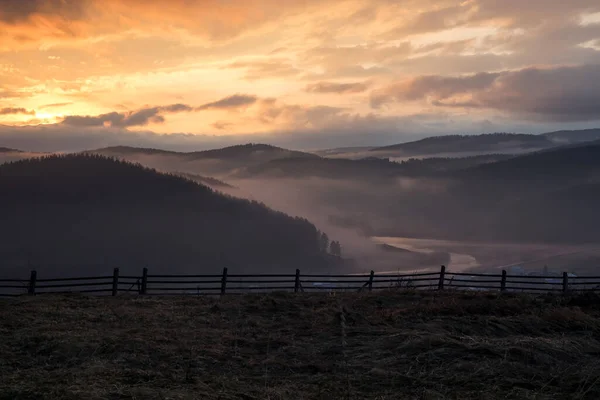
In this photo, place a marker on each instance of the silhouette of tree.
(323, 242)
(335, 248)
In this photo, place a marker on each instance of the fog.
(426, 220)
(354, 209)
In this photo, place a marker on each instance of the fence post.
(32, 281)
(297, 281)
(115, 282)
(224, 281)
(371, 280)
(503, 281)
(144, 281)
(442, 278)
(565, 282)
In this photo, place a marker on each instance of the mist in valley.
(480, 212)
(456, 222)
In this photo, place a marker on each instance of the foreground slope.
(83, 210)
(394, 345)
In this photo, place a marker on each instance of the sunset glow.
(311, 73)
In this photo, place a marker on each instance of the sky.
(193, 74)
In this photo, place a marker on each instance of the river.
(458, 261)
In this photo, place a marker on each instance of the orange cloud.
(30, 21)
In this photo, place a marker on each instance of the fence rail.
(225, 283)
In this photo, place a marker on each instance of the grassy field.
(393, 345)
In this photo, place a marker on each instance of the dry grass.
(401, 345)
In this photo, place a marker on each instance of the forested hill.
(218, 163)
(470, 143)
(8, 150)
(79, 210)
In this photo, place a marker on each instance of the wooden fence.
(225, 283)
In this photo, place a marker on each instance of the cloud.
(145, 116)
(297, 116)
(124, 120)
(54, 105)
(266, 69)
(13, 11)
(213, 19)
(235, 101)
(569, 93)
(327, 129)
(438, 87)
(322, 128)
(332, 87)
(222, 125)
(9, 111)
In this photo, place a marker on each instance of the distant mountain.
(219, 162)
(73, 211)
(250, 150)
(569, 163)
(505, 143)
(8, 150)
(496, 142)
(577, 136)
(128, 150)
(344, 152)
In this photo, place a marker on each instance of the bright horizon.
(187, 75)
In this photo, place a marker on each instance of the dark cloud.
(222, 125)
(235, 101)
(124, 120)
(176, 108)
(144, 116)
(12, 11)
(440, 87)
(9, 111)
(333, 87)
(558, 94)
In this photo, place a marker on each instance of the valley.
(469, 213)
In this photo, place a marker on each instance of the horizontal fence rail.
(225, 283)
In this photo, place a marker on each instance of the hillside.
(205, 180)
(504, 143)
(218, 162)
(574, 136)
(563, 163)
(83, 210)
(547, 196)
(365, 168)
(8, 150)
(253, 150)
(392, 345)
(543, 196)
(496, 142)
(129, 150)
